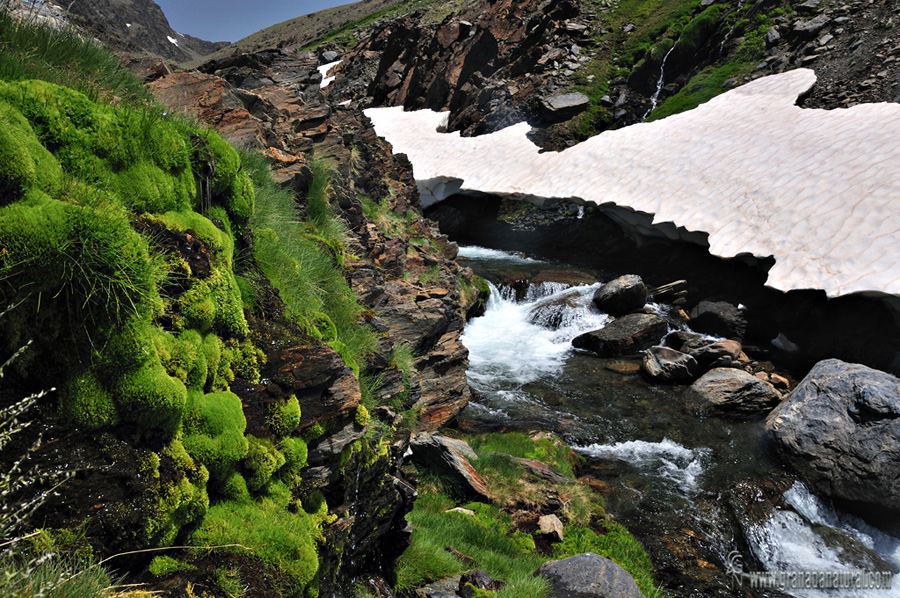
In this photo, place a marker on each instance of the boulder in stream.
(626, 335)
(735, 392)
(720, 319)
(621, 296)
(840, 429)
(588, 575)
(664, 364)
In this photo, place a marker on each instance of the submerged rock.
(588, 575)
(620, 296)
(629, 334)
(735, 391)
(840, 429)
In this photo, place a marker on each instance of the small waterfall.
(725, 39)
(654, 99)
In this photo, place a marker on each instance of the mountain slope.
(131, 25)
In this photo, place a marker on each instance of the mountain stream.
(707, 496)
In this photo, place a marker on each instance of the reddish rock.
(324, 385)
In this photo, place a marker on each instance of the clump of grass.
(31, 50)
(489, 537)
(282, 540)
(309, 280)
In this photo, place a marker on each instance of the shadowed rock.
(664, 364)
(620, 296)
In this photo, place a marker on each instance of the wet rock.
(623, 367)
(626, 335)
(562, 107)
(588, 575)
(719, 318)
(840, 429)
(331, 445)
(477, 580)
(718, 354)
(450, 457)
(737, 392)
(622, 295)
(552, 527)
(664, 364)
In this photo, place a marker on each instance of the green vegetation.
(282, 540)
(492, 538)
(489, 537)
(64, 57)
(290, 253)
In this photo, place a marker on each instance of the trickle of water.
(654, 99)
(725, 39)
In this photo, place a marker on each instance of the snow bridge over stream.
(749, 172)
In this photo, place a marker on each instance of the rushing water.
(696, 489)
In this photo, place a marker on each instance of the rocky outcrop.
(840, 429)
(620, 296)
(735, 392)
(489, 64)
(588, 575)
(624, 336)
(450, 457)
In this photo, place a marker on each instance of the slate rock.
(450, 457)
(477, 580)
(840, 429)
(718, 354)
(629, 334)
(588, 575)
(562, 107)
(719, 318)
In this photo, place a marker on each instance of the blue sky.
(230, 20)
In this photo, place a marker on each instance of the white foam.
(474, 252)
(323, 70)
(669, 459)
(817, 189)
(507, 347)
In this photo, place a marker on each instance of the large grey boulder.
(450, 457)
(588, 575)
(620, 296)
(840, 429)
(735, 392)
(664, 364)
(626, 335)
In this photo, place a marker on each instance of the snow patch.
(323, 70)
(172, 39)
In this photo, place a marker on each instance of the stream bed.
(707, 496)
